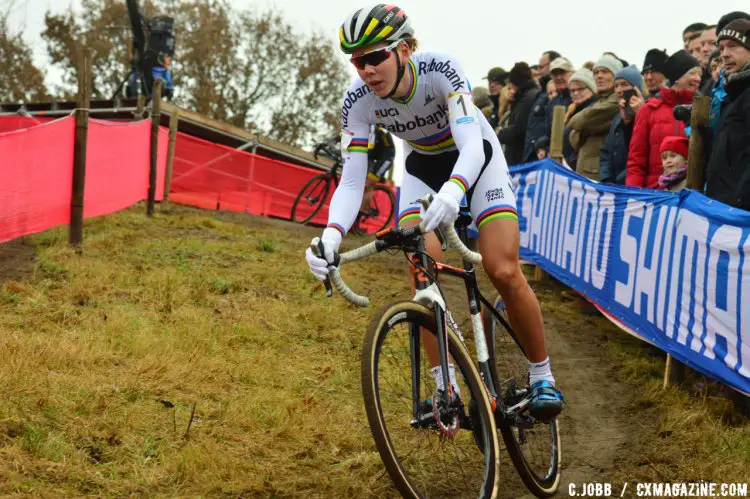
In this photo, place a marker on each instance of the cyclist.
(451, 151)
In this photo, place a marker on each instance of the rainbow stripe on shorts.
(408, 215)
(497, 212)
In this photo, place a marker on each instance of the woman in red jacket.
(655, 120)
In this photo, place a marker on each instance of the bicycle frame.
(428, 294)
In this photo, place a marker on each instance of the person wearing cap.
(656, 120)
(728, 171)
(561, 74)
(537, 126)
(525, 91)
(674, 154)
(545, 62)
(653, 70)
(613, 159)
(496, 80)
(589, 128)
(583, 94)
(689, 32)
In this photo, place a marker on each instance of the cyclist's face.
(381, 77)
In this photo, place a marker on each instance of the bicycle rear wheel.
(311, 198)
(534, 446)
(422, 459)
(381, 212)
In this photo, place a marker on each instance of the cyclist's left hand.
(444, 209)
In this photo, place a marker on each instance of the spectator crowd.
(631, 126)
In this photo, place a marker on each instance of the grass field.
(192, 354)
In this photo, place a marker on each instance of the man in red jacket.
(655, 120)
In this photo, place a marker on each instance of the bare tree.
(251, 69)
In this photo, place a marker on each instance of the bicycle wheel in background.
(534, 446)
(311, 198)
(459, 459)
(381, 212)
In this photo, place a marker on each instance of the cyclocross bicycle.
(314, 194)
(444, 442)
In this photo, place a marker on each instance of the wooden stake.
(674, 372)
(140, 105)
(558, 129)
(174, 120)
(155, 117)
(75, 234)
(696, 177)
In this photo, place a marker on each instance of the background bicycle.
(316, 193)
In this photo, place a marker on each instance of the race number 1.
(461, 109)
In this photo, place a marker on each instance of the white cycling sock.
(437, 373)
(540, 371)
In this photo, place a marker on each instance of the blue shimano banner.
(671, 267)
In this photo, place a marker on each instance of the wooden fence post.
(174, 120)
(696, 177)
(155, 117)
(75, 232)
(140, 106)
(674, 371)
(558, 129)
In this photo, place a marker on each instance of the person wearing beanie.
(728, 18)
(674, 153)
(653, 70)
(604, 74)
(537, 125)
(683, 71)
(728, 171)
(513, 135)
(613, 158)
(582, 88)
(655, 120)
(590, 127)
(689, 32)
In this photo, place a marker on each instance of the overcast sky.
(480, 34)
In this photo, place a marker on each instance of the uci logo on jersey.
(384, 113)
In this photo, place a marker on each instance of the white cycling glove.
(320, 267)
(444, 207)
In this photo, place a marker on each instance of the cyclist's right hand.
(321, 265)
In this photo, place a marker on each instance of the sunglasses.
(374, 58)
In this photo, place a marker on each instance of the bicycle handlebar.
(379, 245)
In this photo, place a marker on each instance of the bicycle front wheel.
(422, 458)
(534, 446)
(311, 198)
